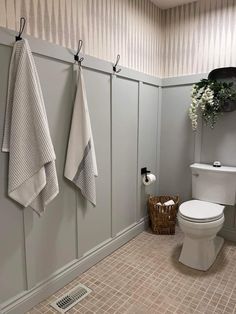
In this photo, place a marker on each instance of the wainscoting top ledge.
(45, 48)
(183, 80)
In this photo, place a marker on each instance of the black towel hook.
(115, 65)
(22, 27)
(76, 56)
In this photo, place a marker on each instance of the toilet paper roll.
(149, 179)
(170, 202)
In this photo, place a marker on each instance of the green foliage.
(208, 99)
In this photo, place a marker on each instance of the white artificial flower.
(200, 98)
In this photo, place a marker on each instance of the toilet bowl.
(202, 218)
(200, 221)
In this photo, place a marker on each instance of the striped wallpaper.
(199, 37)
(189, 39)
(131, 28)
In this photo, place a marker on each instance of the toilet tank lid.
(209, 167)
(201, 210)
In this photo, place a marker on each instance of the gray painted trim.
(138, 199)
(113, 233)
(228, 234)
(198, 142)
(24, 252)
(26, 300)
(76, 227)
(182, 80)
(159, 104)
(138, 76)
(111, 143)
(45, 48)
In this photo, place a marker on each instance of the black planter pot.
(226, 75)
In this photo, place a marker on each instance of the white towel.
(81, 165)
(32, 178)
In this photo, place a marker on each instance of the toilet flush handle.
(195, 174)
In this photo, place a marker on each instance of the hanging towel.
(32, 178)
(81, 165)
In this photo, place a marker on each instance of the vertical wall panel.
(177, 142)
(12, 261)
(51, 239)
(220, 143)
(147, 149)
(94, 223)
(124, 153)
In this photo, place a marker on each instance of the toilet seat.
(200, 211)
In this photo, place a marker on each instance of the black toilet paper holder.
(144, 171)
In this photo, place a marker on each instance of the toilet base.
(200, 253)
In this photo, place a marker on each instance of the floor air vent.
(72, 297)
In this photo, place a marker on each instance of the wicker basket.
(163, 218)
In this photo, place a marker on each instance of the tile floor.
(144, 276)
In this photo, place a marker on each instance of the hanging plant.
(208, 100)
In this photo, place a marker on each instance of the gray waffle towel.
(32, 177)
(81, 165)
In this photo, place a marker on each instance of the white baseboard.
(26, 300)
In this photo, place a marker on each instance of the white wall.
(199, 37)
(107, 27)
(188, 39)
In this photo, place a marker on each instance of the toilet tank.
(212, 184)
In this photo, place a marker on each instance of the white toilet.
(202, 218)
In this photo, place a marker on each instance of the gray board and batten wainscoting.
(137, 121)
(40, 255)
